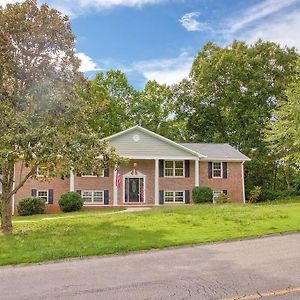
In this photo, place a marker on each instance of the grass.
(97, 233)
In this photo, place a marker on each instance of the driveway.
(267, 268)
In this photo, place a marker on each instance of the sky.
(158, 39)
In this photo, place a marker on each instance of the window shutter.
(161, 168)
(79, 192)
(209, 169)
(50, 196)
(106, 197)
(224, 167)
(106, 172)
(33, 192)
(187, 196)
(161, 197)
(187, 168)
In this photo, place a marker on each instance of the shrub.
(70, 201)
(222, 198)
(202, 194)
(31, 206)
(254, 194)
(267, 195)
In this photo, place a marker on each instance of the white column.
(115, 188)
(156, 182)
(72, 182)
(197, 172)
(243, 183)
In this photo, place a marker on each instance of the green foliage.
(202, 194)
(254, 194)
(222, 198)
(31, 206)
(70, 201)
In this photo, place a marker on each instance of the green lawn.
(101, 232)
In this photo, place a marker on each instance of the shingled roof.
(214, 151)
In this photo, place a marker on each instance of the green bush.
(70, 201)
(254, 194)
(31, 206)
(267, 195)
(222, 198)
(202, 194)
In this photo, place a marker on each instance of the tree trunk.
(6, 223)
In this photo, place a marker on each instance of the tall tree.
(42, 120)
(236, 88)
(114, 95)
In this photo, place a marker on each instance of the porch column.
(72, 181)
(115, 188)
(196, 172)
(156, 182)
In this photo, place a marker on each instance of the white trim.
(212, 167)
(47, 191)
(156, 182)
(197, 174)
(151, 157)
(217, 159)
(156, 136)
(174, 202)
(174, 176)
(138, 175)
(93, 202)
(72, 182)
(243, 182)
(13, 196)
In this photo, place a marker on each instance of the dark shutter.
(161, 197)
(187, 168)
(106, 172)
(209, 169)
(161, 168)
(33, 192)
(79, 192)
(224, 192)
(187, 196)
(50, 196)
(106, 197)
(224, 167)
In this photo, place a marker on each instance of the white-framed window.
(216, 194)
(90, 174)
(41, 171)
(174, 168)
(43, 194)
(93, 197)
(174, 196)
(217, 169)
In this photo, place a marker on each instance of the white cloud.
(282, 30)
(75, 8)
(165, 71)
(87, 64)
(190, 23)
(257, 12)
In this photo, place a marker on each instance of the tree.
(112, 93)
(284, 129)
(43, 121)
(236, 88)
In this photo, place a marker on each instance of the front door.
(134, 190)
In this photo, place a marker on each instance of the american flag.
(118, 178)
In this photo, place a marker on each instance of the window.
(174, 168)
(42, 171)
(174, 197)
(216, 194)
(90, 174)
(92, 196)
(43, 195)
(217, 169)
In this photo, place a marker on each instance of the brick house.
(160, 171)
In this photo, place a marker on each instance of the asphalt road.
(246, 269)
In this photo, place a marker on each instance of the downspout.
(243, 182)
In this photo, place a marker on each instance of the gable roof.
(214, 151)
(150, 145)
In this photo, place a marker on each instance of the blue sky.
(158, 39)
